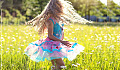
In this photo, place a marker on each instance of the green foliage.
(101, 48)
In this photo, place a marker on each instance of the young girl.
(54, 48)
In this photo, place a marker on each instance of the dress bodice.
(57, 29)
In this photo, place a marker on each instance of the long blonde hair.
(58, 9)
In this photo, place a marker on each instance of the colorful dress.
(48, 49)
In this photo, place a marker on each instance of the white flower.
(25, 40)
(20, 37)
(14, 39)
(19, 48)
(26, 36)
(78, 64)
(8, 48)
(2, 39)
(112, 46)
(105, 59)
(75, 38)
(6, 51)
(92, 50)
(99, 46)
(85, 35)
(18, 51)
(11, 45)
(90, 53)
(74, 65)
(91, 37)
(98, 62)
(22, 45)
(63, 67)
(8, 37)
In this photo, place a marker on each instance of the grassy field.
(102, 48)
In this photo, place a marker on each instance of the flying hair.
(58, 9)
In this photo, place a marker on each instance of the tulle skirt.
(48, 49)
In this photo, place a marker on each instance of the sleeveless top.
(57, 29)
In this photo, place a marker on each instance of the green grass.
(102, 47)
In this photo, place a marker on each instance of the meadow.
(102, 47)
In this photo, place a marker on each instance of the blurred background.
(100, 39)
(19, 11)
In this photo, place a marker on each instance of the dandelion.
(25, 40)
(18, 51)
(20, 37)
(99, 46)
(106, 41)
(73, 32)
(85, 35)
(63, 67)
(90, 53)
(30, 35)
(75, 38)
(26, 36)
(14, 39)
(92, 50)
(52, 67)
(74, 65)
(96, 35)
(22, 45)
(19, 48)
(11, 45)
(98, 62)
(91, 37)
(77, 29)
(100, 38)
(6, 51)
(2, 39)
(69, 33)
(8, 48)
(78, 64)
(111, 62)
(105, 59)
(8, 37)
(112, 46)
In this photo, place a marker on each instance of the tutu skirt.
(48, 49)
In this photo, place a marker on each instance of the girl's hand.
(67, 43)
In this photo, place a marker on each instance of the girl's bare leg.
(58, 62)
(53, 63)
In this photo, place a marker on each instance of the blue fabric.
(57, 30)
(53, 49)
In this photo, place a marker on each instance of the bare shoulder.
(49, 23)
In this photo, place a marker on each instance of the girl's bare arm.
(50, 32)
(52, 37)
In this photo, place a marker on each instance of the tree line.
(31, 8)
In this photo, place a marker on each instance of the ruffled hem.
(49, 49)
